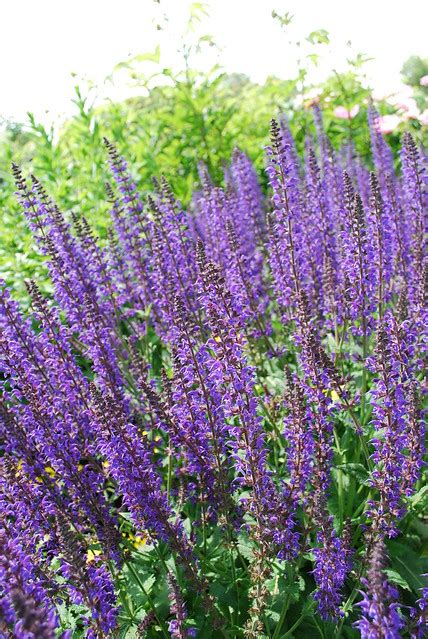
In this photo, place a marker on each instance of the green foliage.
(178, 121)
(320, 36)
(283, 20)
(191, 117)
(413, 70)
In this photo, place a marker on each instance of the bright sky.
(42, 42)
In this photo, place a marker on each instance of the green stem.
(235, 581)
(232, 566)
(340, 491)
(161, 559)
(348, 605)
(362, 505)
(282, 616)
(286, 604)
(340, 496)
(204, 529)
(294, 626)
(149, 599)
(353, 482)
(320, 630)
(127, 605)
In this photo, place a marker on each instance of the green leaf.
(395, 578)
(321, 36)
(284, 20)
(408, 564)
(314, 58)
(225, 596)
(309, 606)
(133, 587)
(356, 470)
(149, 56)
(275, 616)
(246, 549)
(421, 495)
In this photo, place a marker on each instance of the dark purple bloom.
(381, 618)
(23, 599)
(331, 563)
(272, 510)
(414, 196)
(420, 615)
(398, 442)
(298, 434)
(178, 627)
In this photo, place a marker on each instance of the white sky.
(43, 41)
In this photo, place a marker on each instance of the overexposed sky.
(42, 42)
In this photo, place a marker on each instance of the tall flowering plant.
(213, 426)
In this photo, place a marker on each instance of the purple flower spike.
(380, 609)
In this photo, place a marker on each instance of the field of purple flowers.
(214, 427)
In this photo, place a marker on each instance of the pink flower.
(410, 108)
(388, 123)
(424, 81)
(344, 114)
(423, 118)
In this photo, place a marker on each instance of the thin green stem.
(282, 616)
(340, 491)
(204, 527)
(320, 630)
(353, 482)
(294, 627)
(149, 599)
(346, 607)
(161, 559)
(127, 605)
(286, 604)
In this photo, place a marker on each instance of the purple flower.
(23, 598)
(272, 510)
(420, 615)
(380, 609)
(178, 627)
(414, 196)
(398, 442)
(331, 563)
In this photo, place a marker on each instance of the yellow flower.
(157, 439)
(50, 471)
(19, 467)
(139, 541)
(91, 555)
(334, 396)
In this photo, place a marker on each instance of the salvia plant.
(214, 426)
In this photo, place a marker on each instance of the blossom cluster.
(219, 398)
